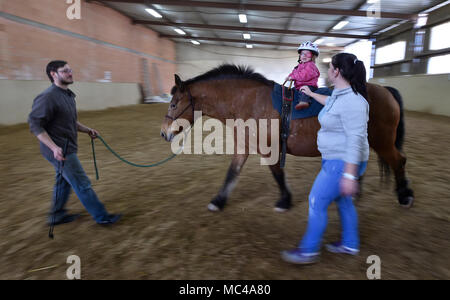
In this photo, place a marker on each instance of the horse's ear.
(179, 83)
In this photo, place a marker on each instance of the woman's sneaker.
(296, 256)
(337, 247)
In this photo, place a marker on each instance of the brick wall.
(26, 48)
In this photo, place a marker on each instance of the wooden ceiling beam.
(251, 29)
(328, 48)
(278, 8)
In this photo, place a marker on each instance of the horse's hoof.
(283, 205)
(213, 208)
(280, 210)
(407, 203)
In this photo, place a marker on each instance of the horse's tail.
(384, 167)
(401, 124)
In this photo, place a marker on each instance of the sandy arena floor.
(167, 232)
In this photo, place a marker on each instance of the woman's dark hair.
(53, 66)
(352, 70)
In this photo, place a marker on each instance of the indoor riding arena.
(124, 56)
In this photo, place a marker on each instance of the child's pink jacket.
(305, 74)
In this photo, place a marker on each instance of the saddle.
(283, 100)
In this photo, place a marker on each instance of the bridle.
(191, 104)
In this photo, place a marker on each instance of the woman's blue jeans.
(73, 177)
(325, 190)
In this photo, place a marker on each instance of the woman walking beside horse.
(343, 143)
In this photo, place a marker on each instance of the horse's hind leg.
(285, 201)
(218, 203)
(397, 161)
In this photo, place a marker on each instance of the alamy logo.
(262, 135)
(374, 271)
(74, 271)
(74, 10)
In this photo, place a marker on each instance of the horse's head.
(181, 107)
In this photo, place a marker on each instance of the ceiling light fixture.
(421, 20)
(319, 41)
(436, 7)
(391, 27)
(247, 36)
(340, 25)
(179, 31)
(249, 46)
(242, 18)
(195, 42)
(153, 13)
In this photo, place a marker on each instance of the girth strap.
(286, 113)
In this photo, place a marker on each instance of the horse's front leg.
(285, 201)
(218, 203)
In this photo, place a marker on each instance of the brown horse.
(231, 92)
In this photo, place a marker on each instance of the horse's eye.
(173, 105)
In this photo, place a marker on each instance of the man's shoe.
(65, 219)
(337, 247)
(296, 256)
(110, 219)
(302, 105)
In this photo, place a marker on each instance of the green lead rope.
(126, 161)
(95, 161)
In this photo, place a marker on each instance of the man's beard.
(66, 82)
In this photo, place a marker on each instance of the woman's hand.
(349, 187)
(305, 89)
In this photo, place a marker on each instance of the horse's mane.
(228, 71)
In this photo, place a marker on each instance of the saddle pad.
(312, 111)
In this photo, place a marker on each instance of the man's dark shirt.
(54, 111)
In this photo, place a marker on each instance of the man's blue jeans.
(73, 176)
(325, 190)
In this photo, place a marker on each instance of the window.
(321, 82)
(390, 53)
(363, 50)
(439, 64)
(418, 41)
(439, 37)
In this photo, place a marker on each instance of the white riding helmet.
(309, 46)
